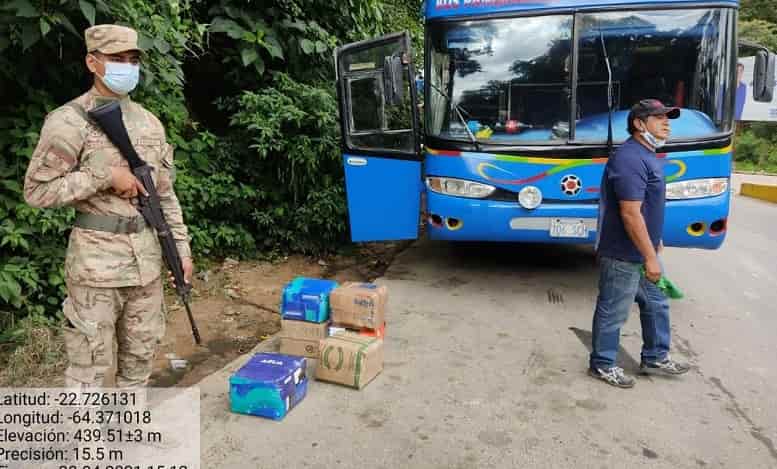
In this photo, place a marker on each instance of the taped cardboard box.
(359, 305)
(299, 348)
(307, 299)
(303, 330)
(350, 359)
(269, 385)
(301, 338)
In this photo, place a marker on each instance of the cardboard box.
(299, 348)
(306, 299)
(304, 330)
(268, 385)
(301, 338)
(359, 305)
(350, 359)
(380, 332)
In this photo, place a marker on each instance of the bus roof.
(436, 9)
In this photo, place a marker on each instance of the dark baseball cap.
(654, 107)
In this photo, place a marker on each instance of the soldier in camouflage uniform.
(114, 262)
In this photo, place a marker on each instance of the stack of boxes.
(305, 315)
(353, 354)
(349, 349)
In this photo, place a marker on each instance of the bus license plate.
(568, 228)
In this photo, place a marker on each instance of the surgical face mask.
(652, 140)
(121, 78)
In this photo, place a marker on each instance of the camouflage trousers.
(132, 318)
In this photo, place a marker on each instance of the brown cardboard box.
(350, 359)
(359, 305)
(301, 338)
(300, 348)
(304, 330)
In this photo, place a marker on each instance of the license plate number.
(568, 228)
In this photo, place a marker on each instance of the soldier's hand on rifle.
(125, 184)
(188, 270)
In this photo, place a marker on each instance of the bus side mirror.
(764, 76)
(393, 85)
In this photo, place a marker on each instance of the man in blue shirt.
(739, 104)
(631, 221)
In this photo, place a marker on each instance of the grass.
(31, 353)
(748, 166)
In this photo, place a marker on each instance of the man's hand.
(125, 184)
(188, 270)
(652, 269)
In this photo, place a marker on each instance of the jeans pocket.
(624, 267)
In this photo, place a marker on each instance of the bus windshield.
(510, 81)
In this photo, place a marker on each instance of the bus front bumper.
(699, 223)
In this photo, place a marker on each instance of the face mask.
(652, 140)
(121, 78)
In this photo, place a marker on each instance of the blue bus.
(523, 102)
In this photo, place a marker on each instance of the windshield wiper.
(609, 95)
(459, 109)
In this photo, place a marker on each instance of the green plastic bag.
(667, 287)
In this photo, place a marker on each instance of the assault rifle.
(109, 118)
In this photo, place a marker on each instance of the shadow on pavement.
(523, 256)
(625, 360)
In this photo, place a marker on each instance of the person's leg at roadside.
(139, 330)
(618, 284)
(89, 335)
(656, 331)
(91, 314)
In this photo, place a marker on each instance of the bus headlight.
(696, 188)
(530, 197)
(459, 187)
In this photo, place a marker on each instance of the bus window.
(506, 80)
(366, 104)
(373, 123)
(682, 57)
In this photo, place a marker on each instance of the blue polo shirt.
(633, 173)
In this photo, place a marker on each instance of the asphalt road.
(485, 368)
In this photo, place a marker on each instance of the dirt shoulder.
(236, 306)
(234, 303)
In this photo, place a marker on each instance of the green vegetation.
(247, 97)
(756, 143)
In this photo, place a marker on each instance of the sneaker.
(667, 366)
(613, 376)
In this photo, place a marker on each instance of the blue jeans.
(620, 285)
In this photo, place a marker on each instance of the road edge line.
(759, 191)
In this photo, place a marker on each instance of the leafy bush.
(247, 98)
(302, 206)
(32, 255)
(749, 148)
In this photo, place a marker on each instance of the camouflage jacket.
(71, 167)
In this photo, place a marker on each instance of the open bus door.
(381, 152)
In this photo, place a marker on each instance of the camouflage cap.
(111, 39)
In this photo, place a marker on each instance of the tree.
(758, 10)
